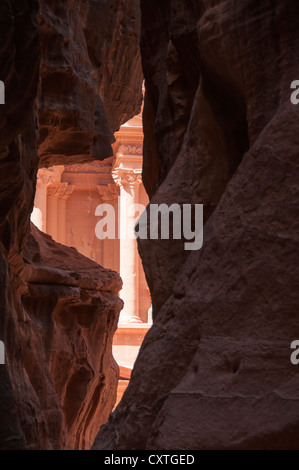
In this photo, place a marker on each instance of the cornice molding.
(60, 190)
(108, 192)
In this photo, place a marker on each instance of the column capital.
(47, 176)
(44, 177)
(126, 177)
(127, 167)
(60, 190)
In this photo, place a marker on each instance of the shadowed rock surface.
(71, 315)
(19, 65)
(90, 77)
(58, 310)
(214, 371)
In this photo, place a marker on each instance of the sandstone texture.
(58, 310)
(19, 59)
(214, 371)
(70, 318)
(90, 77)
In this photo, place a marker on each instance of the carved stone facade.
(65, 207)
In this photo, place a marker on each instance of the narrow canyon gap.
(214, 371)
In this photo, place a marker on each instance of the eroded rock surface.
(19, 65)
(90, 81)
(214, 371)
(70, 316)
(58, 310)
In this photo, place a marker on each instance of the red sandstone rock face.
(90, 77)
(70, 316)
(58, 310)
(19, 63)
(214, 370)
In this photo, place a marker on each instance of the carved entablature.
(45, 177)
(91, 167)
(60, 190)
(108, 192)
(130, 150)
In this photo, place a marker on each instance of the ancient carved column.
(128, 180)
(39, 214)
(58, 193)
(45, 177)
(110, 248)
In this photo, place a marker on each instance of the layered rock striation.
(58, 310)
(70, 317)
(214, 371)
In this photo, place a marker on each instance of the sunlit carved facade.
(65, 207)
